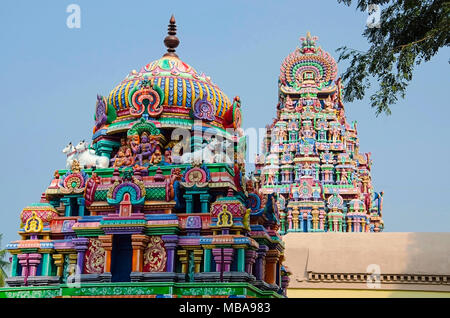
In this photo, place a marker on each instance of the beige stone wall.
(413, 262)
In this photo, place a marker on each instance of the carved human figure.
(307, 171)
(147, 148)
(168, 155)
(365, 182)
(378, 197)
(129, 158)
(335, 134)
(134, 144)
(322, 135)
(316, 192)
(269, 179)
(283, 135)
(344, 177)
(123, 145)
(119, 160)
(328, 104)
(315, 218)
(295, 193)
(289, 104)
(308, 132)
(156, 157)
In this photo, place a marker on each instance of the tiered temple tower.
(161, 212)
(311, 162)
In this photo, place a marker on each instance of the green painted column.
(188, 198)
(14, 266)
(80, 202)
(204, 199)
(106, 147)
(68, 210)
(207, 260)
(241, 260)
(283, 222)
(46, 265)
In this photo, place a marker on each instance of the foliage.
(410, 32)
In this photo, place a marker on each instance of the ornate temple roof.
(180, 82)
(308, 67)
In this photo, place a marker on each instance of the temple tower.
(311, 162)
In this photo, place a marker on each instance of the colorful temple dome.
(180, 83)
(169, 92)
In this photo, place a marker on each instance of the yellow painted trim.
(200, 89)
(166, 91)
(183, 102)
(208, 92)
(119, 98)
(221, 102)
(220, 108)
(193, 96)
(362, 293)
(127, 91)
(114, 97)
(175, 91)
(110, 98)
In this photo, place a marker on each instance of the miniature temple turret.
(311, 162)
(157, 201)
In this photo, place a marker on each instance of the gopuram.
(311, 163)
(155, 206)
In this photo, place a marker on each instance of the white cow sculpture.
(213, 152)
(87, 157)
(204, 155)
(221, 155)
(71, 154)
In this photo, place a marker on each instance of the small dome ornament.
(34, 224)
(171, 41)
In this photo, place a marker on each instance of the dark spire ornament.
(171, 41)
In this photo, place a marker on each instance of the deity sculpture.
(168, 155)
(123, 145)
(119, 159)
(146, 149)
(329, 104)
(128, 159)
(134, 144)
(156, 157)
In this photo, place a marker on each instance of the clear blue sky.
(50, 76)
